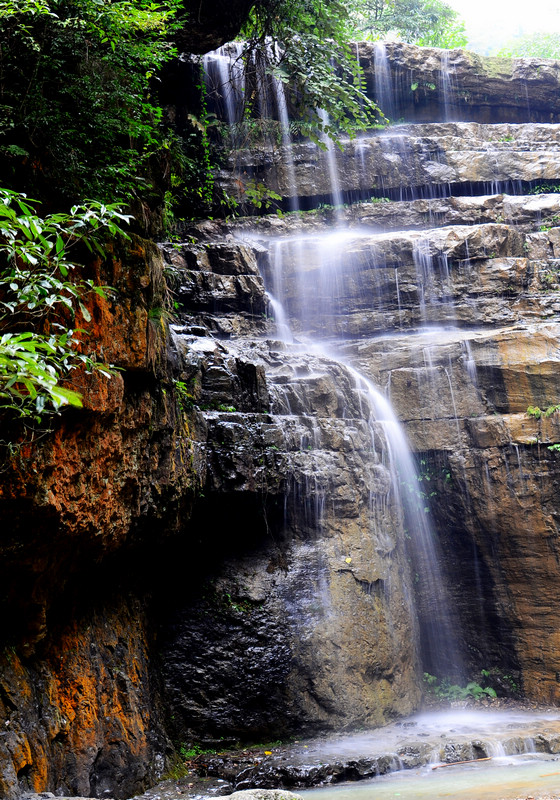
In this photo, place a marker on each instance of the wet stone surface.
(438, 738)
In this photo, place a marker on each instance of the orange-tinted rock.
(77, 703)
(80, 719)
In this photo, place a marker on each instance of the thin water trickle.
(224, 74)
(282, 107)
(283, 330)
(447, 77)
(384, 90)
(332, 169)
(435, 293)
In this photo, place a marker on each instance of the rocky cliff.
(79, 505)
(449, 304)
(217, 546)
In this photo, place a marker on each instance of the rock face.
(210, 24)
(431, 85)
(409, 162)
(318, 546)
(217, 546)
(78, 698)
(450, 305)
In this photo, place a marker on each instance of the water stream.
(505, 777)
(330, 272)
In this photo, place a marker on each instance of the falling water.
(225, 80)
(438, 637)
(384, 91)
(434, 282)
(332, 168)
(282, 108)
(447, 74)
(282, 325)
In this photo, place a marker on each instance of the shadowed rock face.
(432, 85)
(211, 23)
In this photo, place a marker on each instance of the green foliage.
(310, 53)
(429, 23)
(78, 117)
(185, 396)
(444, 690)
(545, 188)
(550, 222)
(258, 195)
(537, 413)
(536, 45)
(427, 477)
(188, 752)
(39, 297)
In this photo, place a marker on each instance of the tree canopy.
(78, 116)
(537, 45)
(429, 23)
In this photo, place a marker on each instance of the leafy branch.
(40, 295)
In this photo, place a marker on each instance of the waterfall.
(332, 168)
(434, 283)
(384, 90)
(328, 254)
(447, 87)
(224, 75)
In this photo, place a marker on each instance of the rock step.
(429, 84)
(408, 158)
(526, 212)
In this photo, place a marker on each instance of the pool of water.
(501, 778)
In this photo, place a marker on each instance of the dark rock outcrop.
(78, 699)
(210, 23)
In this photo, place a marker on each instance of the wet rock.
(432, 84)
(263, 794)
(395, 161)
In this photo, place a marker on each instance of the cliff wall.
(215, 546)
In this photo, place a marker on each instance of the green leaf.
(85, 313)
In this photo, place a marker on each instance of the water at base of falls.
(507, 740)
(500, 779)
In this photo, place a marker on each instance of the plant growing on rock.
(444, 690)
(311, 50)
(40, 295)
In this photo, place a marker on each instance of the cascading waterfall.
(433, 282)
(438, 631)
(282, 106)
(438, 635)
(227, 82)
(356, 309)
